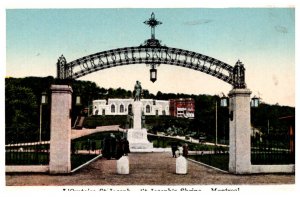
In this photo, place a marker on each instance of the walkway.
(146, 169)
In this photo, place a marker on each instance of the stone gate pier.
(60, 142)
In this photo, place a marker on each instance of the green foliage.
(20, 112)
(22, 100)
(169, 124)
(272, 113)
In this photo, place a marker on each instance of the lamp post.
(44, 101)
(255, 101)
(77, 111)
(223, 103)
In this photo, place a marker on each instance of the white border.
(24, 4)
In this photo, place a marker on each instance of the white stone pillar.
(240, 130)
(60, 139)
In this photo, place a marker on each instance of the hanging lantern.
(224, 101)
(44, 98)
(153, 74)
(78, 100)
(254, 102)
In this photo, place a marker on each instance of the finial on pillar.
(60, 66)
(239, 75)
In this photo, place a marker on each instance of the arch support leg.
(60, 142)
(240, 130)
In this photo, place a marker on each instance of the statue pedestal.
(137, 139)
(137, 136)
(137, 114)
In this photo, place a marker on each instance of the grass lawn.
(220, 161)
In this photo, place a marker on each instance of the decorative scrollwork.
(152, 55)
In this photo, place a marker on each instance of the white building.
(124, 107)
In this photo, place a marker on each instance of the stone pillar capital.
(239, 92)
(61, 89)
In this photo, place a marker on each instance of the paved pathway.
(146, 169)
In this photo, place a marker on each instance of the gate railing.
(30, 153)
(83, 151)
(272, 148)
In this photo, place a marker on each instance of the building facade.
(124, 107)
(184, 108)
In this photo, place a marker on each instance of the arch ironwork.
(152, 53)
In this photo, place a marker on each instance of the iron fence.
(83, 150)
(90, 147)
(38, 153)
(216, 156)
(35, 153)
(272, 148)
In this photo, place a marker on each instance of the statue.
(137, 91)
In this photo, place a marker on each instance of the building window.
(113, 108)
(129, 109)
(147, 108)
(121, 108)
(96, 112)
(164, 112)
(156, 112)
(103, 112)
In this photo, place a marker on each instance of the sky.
(262, 38)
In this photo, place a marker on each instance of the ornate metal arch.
(152, 55)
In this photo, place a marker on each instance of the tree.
(23, 98)
(21, 117)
